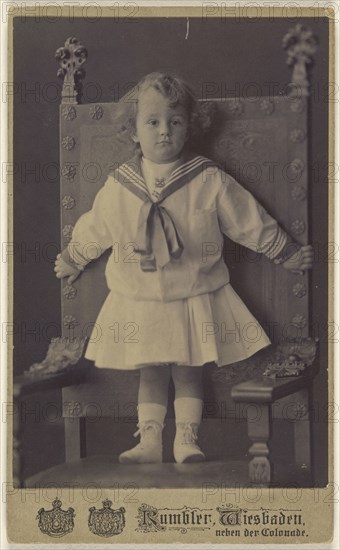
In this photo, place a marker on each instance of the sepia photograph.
(171, 320)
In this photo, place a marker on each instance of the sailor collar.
(130, 175)
(157, 238)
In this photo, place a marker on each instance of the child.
(166, 207)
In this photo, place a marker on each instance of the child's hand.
(63, 269)
(301, 260)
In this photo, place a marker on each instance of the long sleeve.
(246, 222)
(91, 235)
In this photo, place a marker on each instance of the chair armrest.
(32, 383)
(64, 365)
(268, 390)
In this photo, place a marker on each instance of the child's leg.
(187, 381)
(152, 406)
(154, 385)
(188, 412)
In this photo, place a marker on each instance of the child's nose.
(164, 128)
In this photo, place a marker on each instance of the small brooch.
(159, 182)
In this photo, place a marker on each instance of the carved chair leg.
(259, 432)
(302, 431)
(75, 438)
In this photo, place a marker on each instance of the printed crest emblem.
(106, 522)
(56, 522)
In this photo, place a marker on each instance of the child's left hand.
(301, 260)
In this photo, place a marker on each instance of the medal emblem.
(56, 522)
(106, 522)
(159, 182)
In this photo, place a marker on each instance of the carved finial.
(61, 353)
(293, 357)
(71, 57)
(300, 44)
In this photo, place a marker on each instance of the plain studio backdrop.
(232, 57)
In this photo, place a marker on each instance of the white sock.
(151, 411)
(188, 409)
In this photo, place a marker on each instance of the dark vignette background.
(228, 51)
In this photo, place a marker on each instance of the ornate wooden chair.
(263, 143)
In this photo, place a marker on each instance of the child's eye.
(152, 122)
(176, 122)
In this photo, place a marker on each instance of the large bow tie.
(157, 237)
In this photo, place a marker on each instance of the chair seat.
(107, 472)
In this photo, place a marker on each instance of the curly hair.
(178, 92)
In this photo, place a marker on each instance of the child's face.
(161, 130)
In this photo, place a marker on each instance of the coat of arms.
(56, 522)
(106, 522)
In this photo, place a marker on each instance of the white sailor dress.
(171, 300)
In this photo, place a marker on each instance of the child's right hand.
(63, 269)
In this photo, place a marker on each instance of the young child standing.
(172, 207)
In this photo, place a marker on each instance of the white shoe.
(185, 446)
(150, 448)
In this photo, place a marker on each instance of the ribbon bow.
(157, 237)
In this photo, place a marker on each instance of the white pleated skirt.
(215, 327)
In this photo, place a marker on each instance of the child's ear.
(134, 138)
